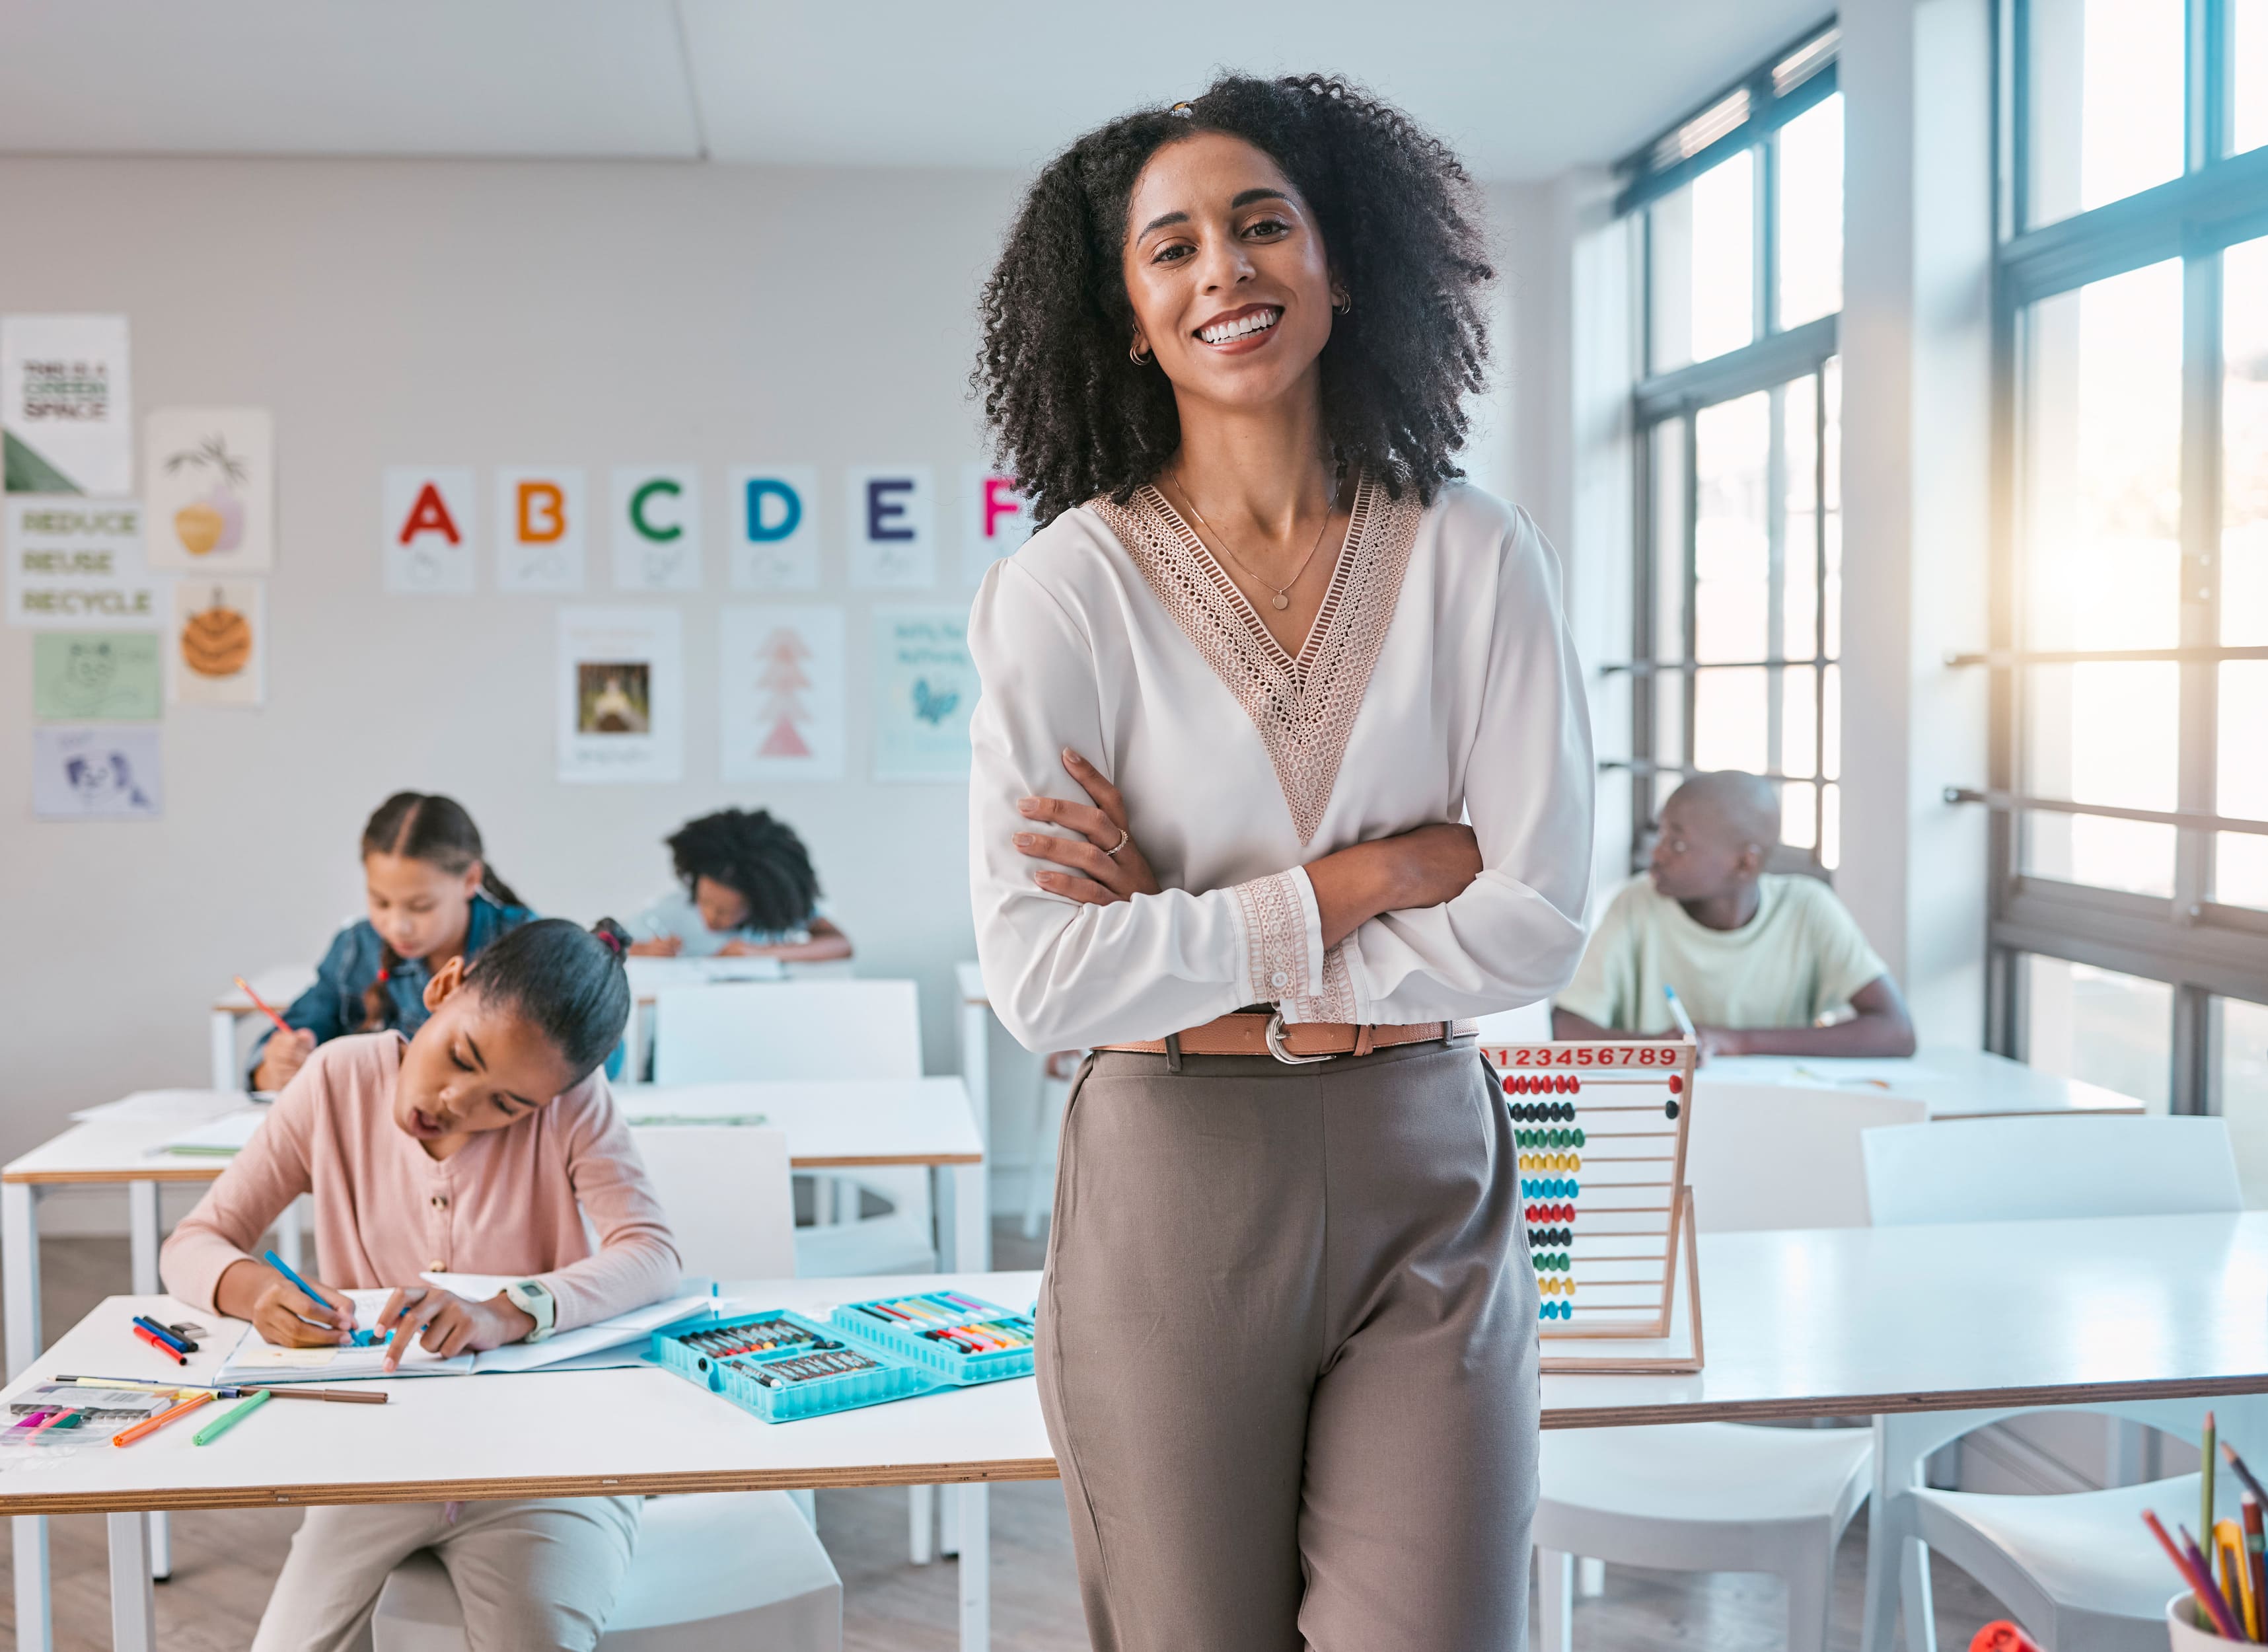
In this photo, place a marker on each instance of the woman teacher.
(1240, 691)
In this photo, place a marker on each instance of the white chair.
(814, 1030)
(1713, 1496)
(720, 1573)
(2066, 1567)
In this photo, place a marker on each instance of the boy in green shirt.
(1757, 957)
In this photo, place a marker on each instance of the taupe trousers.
(1288, 1354)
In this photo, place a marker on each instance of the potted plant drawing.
(215, 522)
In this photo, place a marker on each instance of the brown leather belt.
(1257, 1033)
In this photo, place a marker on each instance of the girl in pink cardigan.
(478, 1146)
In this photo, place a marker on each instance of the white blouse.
(1439, 683)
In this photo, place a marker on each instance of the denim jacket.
(334, 1007)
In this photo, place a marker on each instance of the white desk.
(1955, 1083)
(1839, 1321)
(976, 1025)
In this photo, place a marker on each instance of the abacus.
(1600, 1132)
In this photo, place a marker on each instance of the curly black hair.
(1074, 418)
(761, 858)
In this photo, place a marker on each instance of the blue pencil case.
(780, 1365)
(963, 1339)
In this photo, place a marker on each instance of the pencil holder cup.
(2191, 1630)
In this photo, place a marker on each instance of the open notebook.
(256, 1359)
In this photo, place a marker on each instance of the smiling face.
(472, 1066)
(418, 908)
(1226, 272)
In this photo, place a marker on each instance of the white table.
(1955, 1083)
(1840, 1322)
(564, 1435)
(828, 1126)
(976, 1025)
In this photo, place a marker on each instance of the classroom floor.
(225, 1563)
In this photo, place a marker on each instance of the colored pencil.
(2237, 1464)
(261, 1005)
(2256, 1562)
(166, 1349)
(151, 1425)
(220, 1426)
(2204, 1482)
(2223, 1609)
(155, 1384)
(2200, 1582)
(2235, 1575)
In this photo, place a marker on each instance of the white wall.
(479, 314)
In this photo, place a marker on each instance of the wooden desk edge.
(159, 1171)
(2050, 1396)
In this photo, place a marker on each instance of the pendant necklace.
(1279, 601)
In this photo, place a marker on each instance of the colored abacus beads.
(1548, 1138)
(1544, 1112)
(1550, 1187)
(1551, 1236)
(1554, 1262)
(1556, 1310)
(1543, 1084)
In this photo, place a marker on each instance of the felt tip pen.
(362, 1339)
(166, 1333)
(1677, 1010)
(151, 1425)
(220, 1426)
(163, 1348)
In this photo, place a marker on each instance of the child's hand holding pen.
(291, 1317)
(446, 1324)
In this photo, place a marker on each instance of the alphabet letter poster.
(77, 565)
(110, 773)
(220, 643)
(892, 527)
(621, 694)
(539, 528)
(774, 532)
(924, 686)
(656, 526)
(209, 489)
(66, 404)
(780, 713)
(428, 526)
(995, 519)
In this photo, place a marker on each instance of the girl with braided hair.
(747, 890)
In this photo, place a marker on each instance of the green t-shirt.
(1800, 957)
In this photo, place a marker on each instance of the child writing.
(432, 897)
(479, 1145)
(1757, 957)
(748, 891)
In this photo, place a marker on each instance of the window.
(1736, 215)
(2130, 651)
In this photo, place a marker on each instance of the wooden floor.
(225, 1563)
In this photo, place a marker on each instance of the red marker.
(159, 1344)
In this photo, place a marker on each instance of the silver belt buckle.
(1276, 1043)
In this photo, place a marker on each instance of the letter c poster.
(656, 527)
(427, 530)
(540, 528)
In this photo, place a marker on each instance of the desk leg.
(133, 1607)
(965, 1235)
(225, 1075)
(143, 1223)
(19, 1279)
(976, 1565)
(976, 1067)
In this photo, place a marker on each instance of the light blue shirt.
(675, 914)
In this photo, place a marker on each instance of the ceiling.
(1523, 88)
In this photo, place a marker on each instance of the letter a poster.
(427, 530)
(781, 674)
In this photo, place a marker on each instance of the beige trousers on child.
(1288, 1354)
(536, 1575)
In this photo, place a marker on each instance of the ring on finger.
(1125, 836)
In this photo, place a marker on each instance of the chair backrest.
(724, 1189)
(1529, 1024)
(1759, 1156)
(787, 1029)
(2045, 1167)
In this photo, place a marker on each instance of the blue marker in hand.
(361, 1339)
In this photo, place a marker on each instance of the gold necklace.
(1279, 601)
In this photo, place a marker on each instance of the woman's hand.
(282, 1057)
(667, 946)
(1433, 864)
(1105, 864)
(1409, 872)
(446, 1325)
(280, 1311)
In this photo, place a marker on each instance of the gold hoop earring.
(1343, 304)
(1136, 354)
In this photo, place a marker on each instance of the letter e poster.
(924, 686)
(621, 694)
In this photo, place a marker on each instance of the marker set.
(963, 1339)
(780, 1365)
(55, 1414)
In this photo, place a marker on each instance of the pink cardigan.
(510, 1201)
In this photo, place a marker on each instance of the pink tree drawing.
(783, 681)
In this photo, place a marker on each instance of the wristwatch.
(533, 1297)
